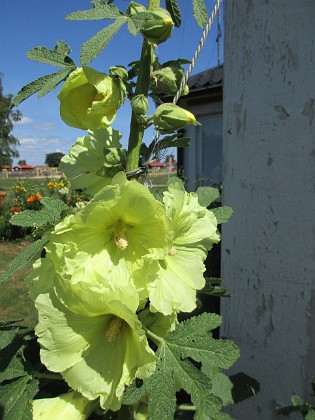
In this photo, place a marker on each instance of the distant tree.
(170, 157)
(53, 159)
(8, 143)
(22, 162)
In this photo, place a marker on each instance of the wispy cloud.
(34, 148)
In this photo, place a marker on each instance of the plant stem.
(40, 375)
(186, 407)
(143, 85)
(158, 340)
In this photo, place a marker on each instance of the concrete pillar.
(268, 179)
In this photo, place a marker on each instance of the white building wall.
(268, 178)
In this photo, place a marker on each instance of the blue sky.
(28, 24)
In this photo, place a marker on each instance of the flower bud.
(135, 8)
(120, 72)
(158, 26)
(89, 99)
(169, 117)
(140, 104)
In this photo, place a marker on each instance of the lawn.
(15, 303)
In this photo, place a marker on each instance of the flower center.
(119, 235)
(172, 252)
(99, 97)
(121, 240)
(114, 328)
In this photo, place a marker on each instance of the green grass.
(15, 303)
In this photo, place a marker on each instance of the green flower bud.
(120, 72)
(169, 117)
(140, 104)
(158, 26)
(89, 99)
(135, 8)
(186, 90)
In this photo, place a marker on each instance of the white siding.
(268, 178)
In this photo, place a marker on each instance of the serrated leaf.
(133, 394)
(200, 13)
(16, 399)
(7, 334)
(55, 204)
(221, 384)
(192, 339)
(100, 11)
(174, 10)
(23, 259)
(222, 214)
(56, 57)
(206, 195)
(50, 215)
(197, 384)
(95, 45)
(172, 141)
(161, 385)
(212, 288)
(43, 85)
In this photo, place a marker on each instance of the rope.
(193, 62)
(196, 55)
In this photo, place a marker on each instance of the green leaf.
(212, 288)
(95, 45)
(174, 11)
(310, 415)
(57, 57)
(16, 399)
(43, 85)
(197, 384)
(133, 394)
(24, 259)
(222, 214)
(177, 354)
(101, 10)
(200, 13)
(206, 195)
(172, 141)
(221, 384)
(161, 387)
(50, 215)
(192, 339)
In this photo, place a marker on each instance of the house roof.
(24, 166)
(157, 164)
(207, 79)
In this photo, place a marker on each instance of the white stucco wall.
(269, 149)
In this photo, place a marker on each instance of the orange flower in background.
(34, 197)
(15, 209)
(2, 195)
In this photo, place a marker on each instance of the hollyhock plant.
(118, 229)
(93, 160)
(116, 275)
(89, 99)
(94, 339)
(181, 271)
(70, 406)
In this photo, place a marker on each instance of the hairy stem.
(143, 85)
